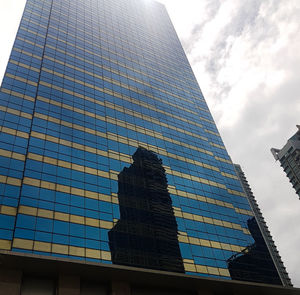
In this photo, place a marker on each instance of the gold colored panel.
(45, 213)
(22, 134)
(48, 185)
(235, 248)
(77, 191)
(91, 253)
(91, 195)
(105, 255)
(190, 267)
(187, 215)
(201, 268)
(5, 245)
(13, 181)
(205, 243)
(198, 218)
(18, 156)
(28, 210)
(3, 179)
(218, 222)
(183, 239)
(63, 188)
(106, 224)
(113, 176)
(92, 222)
(35, 157)
(23, 244)
(77, 167)
(194, 241)
(5, 153)
(90, 170)
(208, 220)
(236, 226)
(225, 246)
(227, 224)
(61, 216)
(60, 249)
(224, 272)
(215, 244)
(115, 200)
(76, 251)
(51, 161)
(42, 246)
(105, 198)
(77, 219)
(213, 270)
(103, 173)
(8, 210)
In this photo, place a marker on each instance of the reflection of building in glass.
(87, 83)
(254, 263)
(146, 233)
(289, 158)
(264, 233)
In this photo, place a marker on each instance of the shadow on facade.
(255, 263)
(146, 233)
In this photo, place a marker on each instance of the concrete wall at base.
(10, 282)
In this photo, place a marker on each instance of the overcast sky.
(246, 57)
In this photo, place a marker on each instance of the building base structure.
(33, 274)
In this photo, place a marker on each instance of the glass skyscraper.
(109, 152)
(289, 158)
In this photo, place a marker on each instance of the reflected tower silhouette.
(146, 233)
(255, 263)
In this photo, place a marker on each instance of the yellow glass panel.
(213, 270)
(215, 244)
(42, 246)
(61, 216)
(190, 267)
(63, 188)
(92, 222)
(201, 268)
(77, 191)
(8, 210)
(13, 181)
(60, 249)
(23, 244)
(28, 210)
(5, 244)
(77, 219)
(45, 213)
(224, 272)
(205, 243)
(194, 241)
(76, 251)
(48, 185)
(106, 224)
(105, 255)
(91, 253)
(183, 239)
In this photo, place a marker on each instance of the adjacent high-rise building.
(263, 238)
(289, 158)
(109, 153)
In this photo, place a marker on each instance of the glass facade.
(109, 152)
